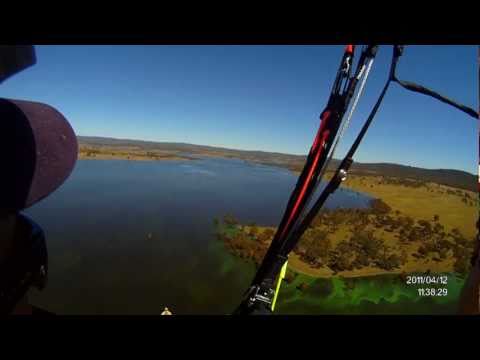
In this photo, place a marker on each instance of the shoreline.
(131, 154)
(359, 273)
(132, 158)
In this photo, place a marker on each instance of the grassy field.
(423, 202)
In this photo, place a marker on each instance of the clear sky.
(257, 98)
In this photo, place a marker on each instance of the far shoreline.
(128, 158)
(130, 154)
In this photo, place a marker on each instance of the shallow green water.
(385, 294)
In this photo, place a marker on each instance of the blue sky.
(257, 98)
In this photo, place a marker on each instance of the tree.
(230, 220)
(462, 265)
(442, 254)
(413, 235)
(317, 250)
(436, 218)
(254, 231)
(340, 262)
(427, 227)
(409, 222)
(269, 233)
(366, 243)
(290, 276)
(380, 207)
(361, 260)
(302, 287)
(422, 251)
(438, 228)
(264, 237)
(456, 234)
(386, 260)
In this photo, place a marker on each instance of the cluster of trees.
(244, 246)
(362, 249)
(246, 243)
(438, 245)
(379, 207)
(333, 219)
(462, 251)
(463, 195)
(290, 276)
(468, 202)
(410, 231)
(376, 214)
(154, 155)
(230, 220)
(91, 151)
(314, 248)
(438, 250)
(463, 254)
(266, 236)
(414, 183)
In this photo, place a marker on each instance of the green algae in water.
(229, 265)
(383, 294)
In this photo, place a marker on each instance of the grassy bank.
(457, 208)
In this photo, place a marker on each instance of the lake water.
(103, 261)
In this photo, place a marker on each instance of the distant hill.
(454, 178)
(449, 177)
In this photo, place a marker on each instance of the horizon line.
(268, 152)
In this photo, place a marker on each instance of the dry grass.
(423, 202)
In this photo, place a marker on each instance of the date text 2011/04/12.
(426, 279)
